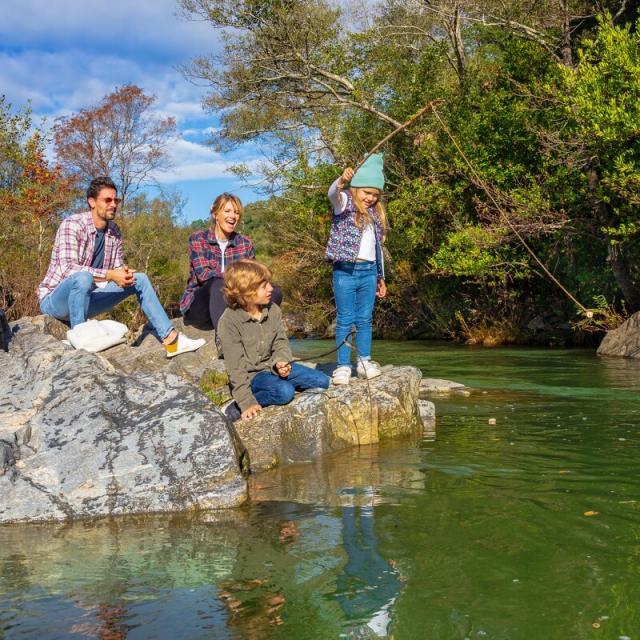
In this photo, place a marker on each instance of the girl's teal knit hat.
(370, 173)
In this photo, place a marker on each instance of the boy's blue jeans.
(354, 289)
(76, 299)
(269, 388)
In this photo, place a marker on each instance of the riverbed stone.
(623, 342)
(321, 421)
(81, 439)
(440, 386)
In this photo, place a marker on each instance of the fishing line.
(523, 242)
(431, 106)
(352, 335)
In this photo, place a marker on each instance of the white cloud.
(114, 26)
(65, 55)
(193, 161)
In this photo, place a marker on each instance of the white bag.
(97, 335)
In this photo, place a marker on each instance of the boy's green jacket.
(251, 346)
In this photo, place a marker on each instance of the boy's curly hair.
(241, 281)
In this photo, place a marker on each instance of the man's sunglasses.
(110, 200)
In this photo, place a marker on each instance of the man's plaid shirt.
(73, 251)
(205, 260)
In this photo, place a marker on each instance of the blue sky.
(63, 55)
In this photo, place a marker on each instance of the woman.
(210, 250)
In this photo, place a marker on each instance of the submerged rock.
(624, 341)
(430, 386)
(80, 439)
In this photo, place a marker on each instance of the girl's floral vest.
(345, 235)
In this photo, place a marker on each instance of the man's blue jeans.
(76, 299)
(354, 289)
(269, 388)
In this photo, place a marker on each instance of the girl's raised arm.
(335, 190)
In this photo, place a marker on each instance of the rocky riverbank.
(127, 431)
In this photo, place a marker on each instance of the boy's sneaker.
(183, 345)
(368, 369)
(341, 375)
(231, 410)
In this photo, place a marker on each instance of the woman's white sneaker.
(368, 369)
(341, 375)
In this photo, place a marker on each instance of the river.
(523, 529)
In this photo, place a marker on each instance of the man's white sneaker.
(341, 375)
(368, 369)
(183, 345)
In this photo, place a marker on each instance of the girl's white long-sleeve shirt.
(338, 199)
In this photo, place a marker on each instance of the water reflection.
(305, 558)
(518, 528)
(368, 586)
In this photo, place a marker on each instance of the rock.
(297, 325)
(323, 421)
(623, 341)
(80, 439)
(439, 385)
(116, 432)
(146, 354)
(539, 323)
(427, 411)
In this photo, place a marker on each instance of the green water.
(479, 532)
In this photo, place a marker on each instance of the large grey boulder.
(144, 352)
(80, 439)
(623, 341)
(324, 421)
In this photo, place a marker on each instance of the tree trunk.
(616, 255)
(620, 270)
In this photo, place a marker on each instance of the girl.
(210, 251)
(355, 249)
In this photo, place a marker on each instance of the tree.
(320, 87)
(601, 101)
(120, 137)
(288, 67)
(33, 196)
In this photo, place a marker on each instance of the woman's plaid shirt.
(205, 260)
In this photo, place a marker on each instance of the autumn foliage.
(120, 137)
(33, 195)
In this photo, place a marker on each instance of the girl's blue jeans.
(354, 289)
(76, 299)
(269, 388)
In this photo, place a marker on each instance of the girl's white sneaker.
(341, 375)
(368, 369)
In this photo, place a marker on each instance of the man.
(87, 274)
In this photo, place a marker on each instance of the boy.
(256, 350)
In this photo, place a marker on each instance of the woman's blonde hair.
(221, 201)
(362, 215)
(241, 281)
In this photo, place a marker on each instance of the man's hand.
(346, 176)
(381, 289)
(122, 276)
(251, 412)
(283, 369)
